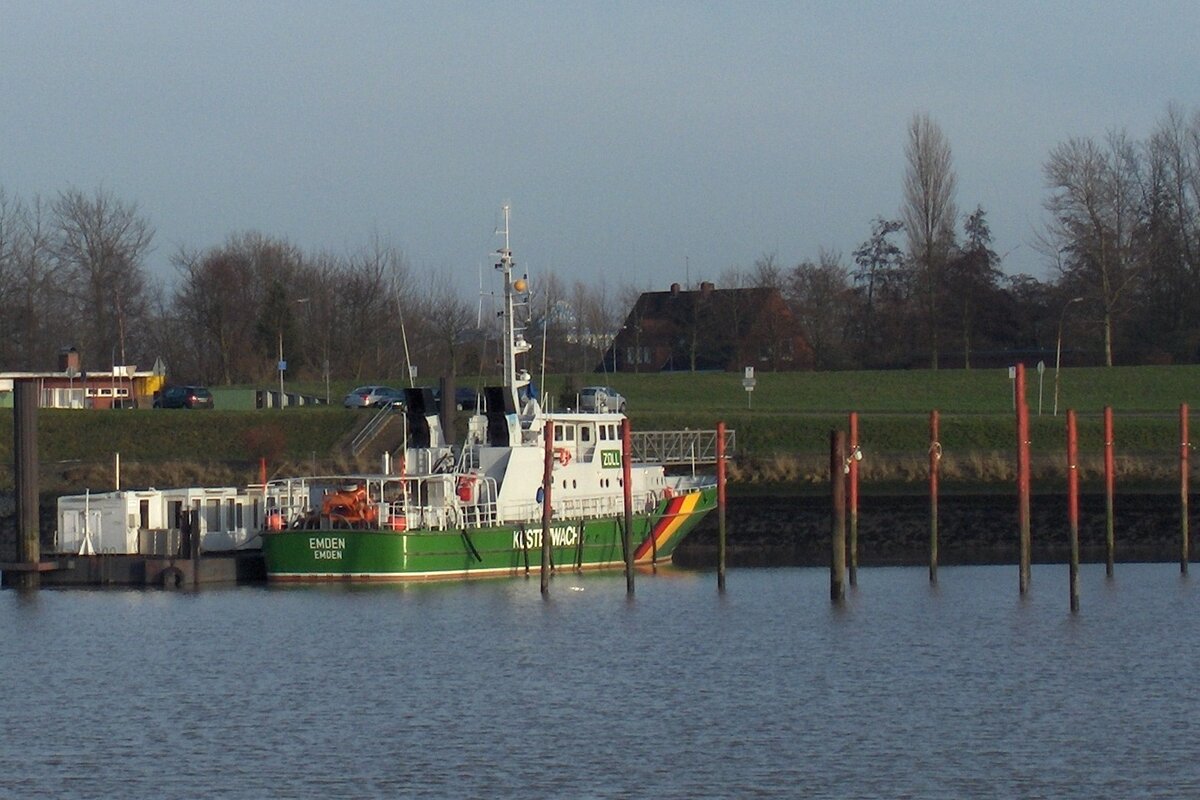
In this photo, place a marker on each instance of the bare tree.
(929, 213)
(101, 242)
(822, 301)
(1094, 205)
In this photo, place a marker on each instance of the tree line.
(925, 288)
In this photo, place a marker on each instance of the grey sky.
(635, 141)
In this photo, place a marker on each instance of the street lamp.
(1058, 348)
(282, 363)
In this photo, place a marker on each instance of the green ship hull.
(504, 550)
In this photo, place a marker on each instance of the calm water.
(487, 690)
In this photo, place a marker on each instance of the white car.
(373, 397)
(601, 398)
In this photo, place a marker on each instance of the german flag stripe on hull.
(677, 511)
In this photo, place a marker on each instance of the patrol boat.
(476, 509)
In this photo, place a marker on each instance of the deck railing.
(676, 448)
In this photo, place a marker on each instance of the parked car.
(465, 398)
(373, 397)
(184, 397)
(601, 398)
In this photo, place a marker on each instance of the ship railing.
(679, 448)
(582, 507)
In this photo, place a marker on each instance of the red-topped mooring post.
(837, 491)
(852, 496)
(1184, 446)
(627, 477)
(721, 506)
(547, 488)
(1110, 485)
(1073, 506)
(1023, 482)
(935, 458)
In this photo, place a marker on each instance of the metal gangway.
(679, 448)
(372, 428)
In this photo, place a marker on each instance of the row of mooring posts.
(627, 526)
(843, 478)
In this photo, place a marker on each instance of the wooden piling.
(1110, 483)
(935, 459)
(25, 461)
(837, 491)
(721, 506)
(547, 486)
(852, 497)
(627, 481)
(1073, 506)
(1023, 482)
(1184, 446)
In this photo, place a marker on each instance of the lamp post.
(282, 362)
(1058, 348)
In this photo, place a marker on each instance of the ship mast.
(513, 334)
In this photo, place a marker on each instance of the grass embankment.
(782, 438)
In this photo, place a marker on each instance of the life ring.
(668, 493)
(563, 455)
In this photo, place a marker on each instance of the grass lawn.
(787, 414)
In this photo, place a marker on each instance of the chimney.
(68, 360)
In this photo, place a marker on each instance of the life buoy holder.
(465, 488)
(563, 455)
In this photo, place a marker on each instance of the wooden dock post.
(721, 506)
(1184, 446)
(25, 461)
(852, 496)
(1110, 483)
(935, 459)
(1073, 506)
(626, 480)
(547, 486)
(837, 491)
(1023, 482)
